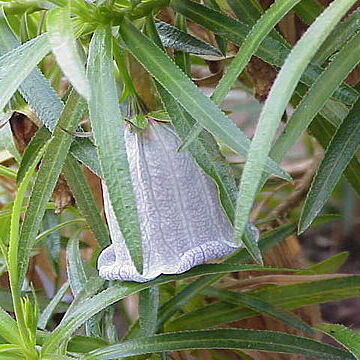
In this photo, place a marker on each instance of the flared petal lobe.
(182, 223)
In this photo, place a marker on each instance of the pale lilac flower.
(181, 220)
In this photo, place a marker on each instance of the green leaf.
(308, 10)
(181, 58)
(221, 42)
(247, 11)
(341, 149)
(43, 100)
(78, 279)
(180, 40)
(85, 201)
(222, 339)
(275, 106)
(7, 173)
(286, 297)
(327, 266)
(63, 45)
(185, 92)
(50, 308)
(14, 255)
(271, 50)
(47, 176)
(119, 290)
(57, 227)
(323, 132)
(84, 344)
(10, 348)
(169, 308)
(74, 266)
(108, 132)
(343, 335)
(6, 139)
(36, 143)
(89, 289)
(23, 59)
(339, 36)
(324, 219)
(8, 328)
(253, 40)
(315, 98)
(148, 310)
(260, 306)
(250, 45)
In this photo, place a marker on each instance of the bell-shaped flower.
(181, 220)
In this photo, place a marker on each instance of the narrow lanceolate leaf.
(17, 64)
(31, 150)
(246, 11)
(275, 106)
(260, 306)
(271, 50)
(308, 10)
(169, 308)
(250, 45)
(339, 36)
(85, 201)
(48, 173)
(186, 93)
(108, 131)
(316, 97)
(8, 328)
(74, 266)
(78, 279)
(48, 311)
(7, 173)
(63, 45)
(118, 291)
(14, 258)
(286, 297)
(148, 310)
(337, 156)
(222, 339)
(41, 97)
(180, 40)
(343, 335)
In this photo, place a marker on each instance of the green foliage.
(66, 65)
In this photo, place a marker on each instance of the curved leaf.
(43, 100)
(222, 339)
(63, 45)
(275, 106)
(185, 91)
(315, 98)
(346, 337)
(119, 290)
(47, 176)
(341, 149)
(287, 297)
(48, 311)
(177, 39)
(108, 131)
(18, 63)
(271, 50)
(250, 45)
(85, 200)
